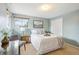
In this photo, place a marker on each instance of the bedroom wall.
(46, 23)
(3, 25)
(4, 20)
(68, 26)
(71, 26)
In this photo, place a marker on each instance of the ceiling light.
(46, 7)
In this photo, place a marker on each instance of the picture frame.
(38, 23)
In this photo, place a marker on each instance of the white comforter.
(44, 44)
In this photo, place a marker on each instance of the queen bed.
(45, 43)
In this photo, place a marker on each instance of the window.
(20, 25)
(21, 22)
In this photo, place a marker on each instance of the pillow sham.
(38, 31)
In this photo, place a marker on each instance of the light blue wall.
(71, 26)
(46, 22)
(46, 25)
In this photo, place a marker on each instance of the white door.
(56, 26)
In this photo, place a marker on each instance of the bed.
(44, 44)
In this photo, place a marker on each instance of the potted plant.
(5, 40)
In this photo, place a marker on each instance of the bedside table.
(25, 38)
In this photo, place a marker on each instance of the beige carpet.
(66, 50)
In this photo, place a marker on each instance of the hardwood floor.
(68, 49)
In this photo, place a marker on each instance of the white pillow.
(37, 31)
(33, 31)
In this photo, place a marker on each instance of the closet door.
(56, 26)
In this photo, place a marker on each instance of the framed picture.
(38, 23)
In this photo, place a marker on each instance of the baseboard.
(73, 42)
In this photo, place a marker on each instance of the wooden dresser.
(25, 38)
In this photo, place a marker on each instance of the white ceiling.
(32, 9)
